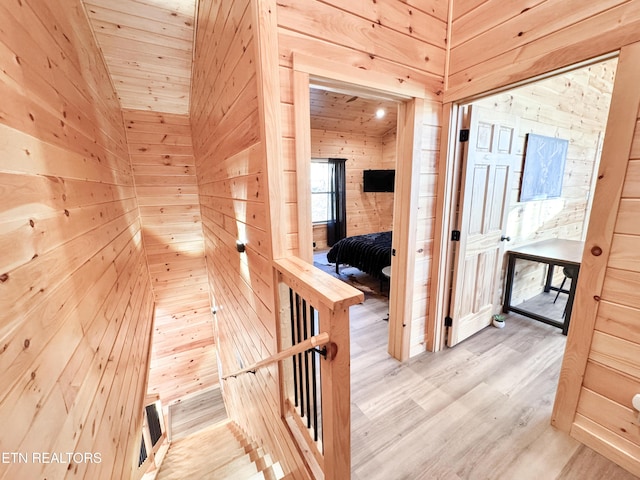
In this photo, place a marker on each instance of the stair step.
(215, 460)
(221, 451)
(241, 465)
(272, 472)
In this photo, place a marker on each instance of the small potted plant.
(498, 320)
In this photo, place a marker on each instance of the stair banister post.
(336, 395)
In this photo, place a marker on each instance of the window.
(321, 192)
(328, 196)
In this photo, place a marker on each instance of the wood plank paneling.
(230, 152)
(493, 45)
(349, 113)
(365, 210)
(183, 359)
(76, 331)
(387, 49)
(345, 27)
(601, 369)
(148, 48)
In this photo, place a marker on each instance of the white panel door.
(487, 172)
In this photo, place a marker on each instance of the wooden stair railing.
(315, 386)
(310, 343)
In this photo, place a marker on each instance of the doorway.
(358, 129)
(404, 217)
(572, 107)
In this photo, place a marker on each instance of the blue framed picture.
(544, 162)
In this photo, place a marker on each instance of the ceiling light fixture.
(380, 113)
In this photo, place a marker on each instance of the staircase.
(220, 451)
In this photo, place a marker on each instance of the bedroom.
(359, 131)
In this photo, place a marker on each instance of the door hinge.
(464, 135)
(455, 236)
(448, 321)
(393, 252)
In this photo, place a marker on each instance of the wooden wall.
(573, 106)
(601, 368)
(395, 39)
(385, 200)
(183, 355)
(232, 182)
(75, 296)
(493, 44)
(367, 212)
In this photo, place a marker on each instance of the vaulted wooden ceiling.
(351, 113)
(148, 48)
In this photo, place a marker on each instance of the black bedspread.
(369, 253)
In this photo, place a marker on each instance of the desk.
(554, 252)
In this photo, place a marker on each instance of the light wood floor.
(197, 412)
(478, 411)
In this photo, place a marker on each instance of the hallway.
(480, 410)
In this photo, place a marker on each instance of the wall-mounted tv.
(378, 180)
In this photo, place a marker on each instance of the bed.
(369, 253)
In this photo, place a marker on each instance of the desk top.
(566, 251)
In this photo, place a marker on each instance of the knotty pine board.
(139, 38)
(619, 320)
(365, 210)
(415, 19)
(500, 46)
(81, 292)
(178, 274)
(231, 166)
(347, 28)
(518, 30)
(603, 420)
(350, 113)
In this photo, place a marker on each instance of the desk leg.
(511, 267)
(572, 293)
(547, 285)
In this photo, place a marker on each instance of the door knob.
(503, 238)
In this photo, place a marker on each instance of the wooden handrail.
(151, 398)
(304, 289)
(316, 286)
(316, 341)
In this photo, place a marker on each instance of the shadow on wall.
(183, 357)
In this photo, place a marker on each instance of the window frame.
(328, 193)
